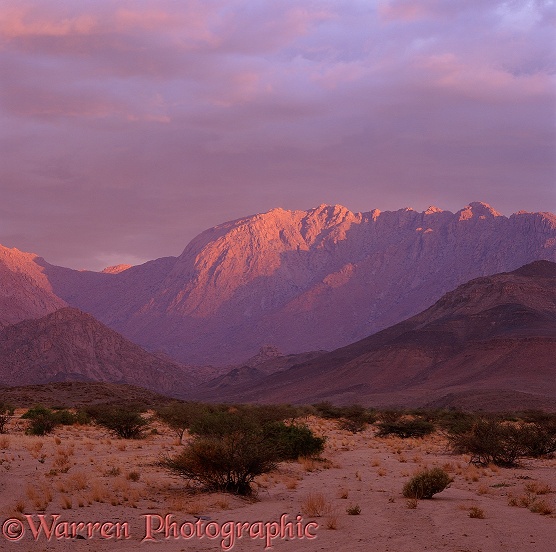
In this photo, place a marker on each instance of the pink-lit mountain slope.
(494, 337)
(25, 291)
(68, 345)
(303, 280)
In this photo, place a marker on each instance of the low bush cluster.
(230, 448)
(354, 418)
(44, 420)
(126, 423)
(492, 441)
(404, 428)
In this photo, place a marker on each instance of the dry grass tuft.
(541, 507)
(538, 488)
(411, 503)
(476, 513)
(66, 502)
(222, 503)
(195, 507)
(40, 495)
(331, 521)
(343, 493)
(315, 505)
(353, 510)
(291, 484)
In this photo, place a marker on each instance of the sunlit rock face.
(303, 280)
(25, 291)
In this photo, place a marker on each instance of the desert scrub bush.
(405, 428)
(426, 483)
(355, 418)
(126, 423)
(538, 438)
(230, 448)
(451, 421)
(293, 440)
(43, 420)
(476, 512)
(327, 410)
(353, 510)
(491, 441)
(229, 463)
(6, 412)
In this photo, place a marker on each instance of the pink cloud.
(158, 118)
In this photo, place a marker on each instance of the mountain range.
(298, 280)
(494, 337)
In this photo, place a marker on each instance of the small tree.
(180, 415)
(292, 441)
(228, 463)
(426, 483)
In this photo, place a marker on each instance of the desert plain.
(352, 496)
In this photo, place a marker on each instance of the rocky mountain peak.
(478, 209)
(116, 269)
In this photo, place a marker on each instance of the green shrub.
(405, 428)
(450, 420)
(426, 483)
(327, 410)
(292, 441)
(123, 422)
(43, 420)
(355, 418)
(538, 438)
(65, 417)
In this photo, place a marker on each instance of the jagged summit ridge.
(304, 280)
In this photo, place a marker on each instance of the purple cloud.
(127, 128)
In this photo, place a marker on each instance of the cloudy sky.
(127, 127)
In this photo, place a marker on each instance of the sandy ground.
(84, 474)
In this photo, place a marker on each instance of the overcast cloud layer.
(127, 127)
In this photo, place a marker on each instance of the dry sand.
(84, 474)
